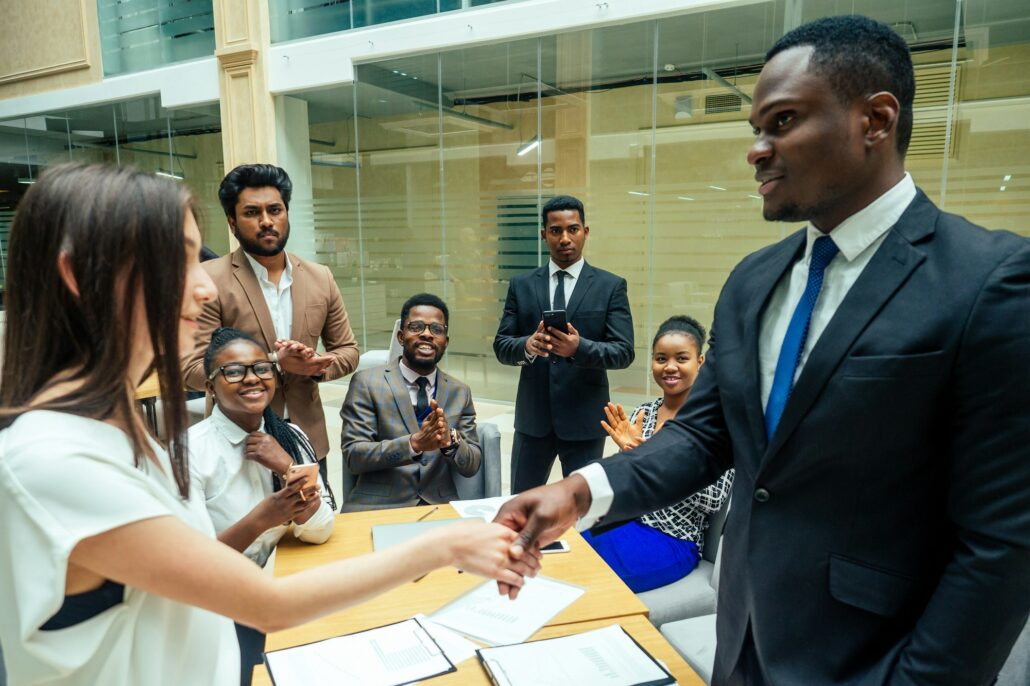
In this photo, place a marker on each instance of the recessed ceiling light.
(1008, 177)
(717, 188)
(641, 193)
(756, 197)
(1002, 189)
(684, 197)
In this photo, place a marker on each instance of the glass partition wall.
(428, 172)
(183, 143)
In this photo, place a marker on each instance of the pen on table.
(427, 514)
(435, 508)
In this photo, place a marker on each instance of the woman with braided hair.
(239, 457)
(663, 546)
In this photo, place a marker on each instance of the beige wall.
(49, 45)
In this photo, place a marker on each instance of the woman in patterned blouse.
(663, 546)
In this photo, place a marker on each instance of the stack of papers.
(604, 656)
(388, 656)
(483, 614)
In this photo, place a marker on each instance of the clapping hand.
(297, 358)
(434, 434)
(627, 435)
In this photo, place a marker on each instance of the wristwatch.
(455, 441)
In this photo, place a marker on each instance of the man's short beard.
(422, 365)
(255, 248)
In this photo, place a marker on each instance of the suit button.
(762, 495)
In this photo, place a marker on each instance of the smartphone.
(307, 473)
(556, 547)
(556, 319)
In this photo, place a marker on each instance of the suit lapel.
(298, 296)
(247, 279)
(401, 396)
(886, 272)
(586, 276)
(763, 282)
(543, 295)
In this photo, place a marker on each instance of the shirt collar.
(232, 431)
(262, 273)
(574, 269)
(865, 227)
(410, 375)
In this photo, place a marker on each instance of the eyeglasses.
(235, 373)
(435, 328)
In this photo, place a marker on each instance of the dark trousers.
(532, 457)
(252, 648)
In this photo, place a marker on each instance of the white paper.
(484, 507)
(456, 647)
(395, 654)
(485, 615)
(602, 656)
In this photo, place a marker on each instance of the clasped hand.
(291, 504)
(543, 342)
(434, 434)
(297, 358)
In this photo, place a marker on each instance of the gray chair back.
(486, 483)
(713, 534)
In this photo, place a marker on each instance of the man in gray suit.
(408, 424)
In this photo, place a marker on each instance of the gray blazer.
(378, 418)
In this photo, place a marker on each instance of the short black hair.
(562, 202)
(859, 57)
(253, 176)
(425, 299)
(683, 324)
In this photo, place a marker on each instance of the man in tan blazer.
(408, 426)
(280, 299)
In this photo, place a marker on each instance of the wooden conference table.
(606, 601)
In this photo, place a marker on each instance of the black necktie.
(559, 291)
(422, 400)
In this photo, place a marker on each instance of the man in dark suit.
(407, 425)
(563, 386)
(869, 381)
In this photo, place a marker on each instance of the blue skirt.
(643, 557)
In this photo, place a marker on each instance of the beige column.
(248, 112)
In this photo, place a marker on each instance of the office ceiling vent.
(931, 110)
(722, 102)
(928, 140)
(932, 82)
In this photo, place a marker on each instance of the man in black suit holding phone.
(565, 324)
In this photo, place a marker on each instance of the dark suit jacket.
(566, 395)
(318, 312)
(883, 534)
(378, 418)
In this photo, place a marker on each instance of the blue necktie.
(823, 250)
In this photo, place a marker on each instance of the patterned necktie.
(422, 399)
(559, 291)
(823, 250)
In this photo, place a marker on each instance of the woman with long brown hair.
(109, 570)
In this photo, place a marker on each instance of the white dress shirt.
(573, 270)
(858, 237)
(231, 485)
(278, 298)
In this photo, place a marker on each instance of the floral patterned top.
(687, 519)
